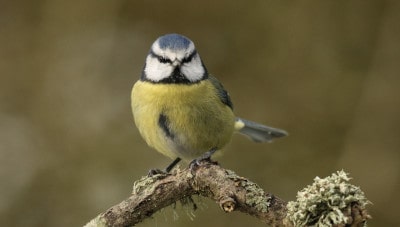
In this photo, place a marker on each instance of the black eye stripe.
(190, 57)
(164, 60)
(160, 58)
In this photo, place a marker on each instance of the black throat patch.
(176, 78)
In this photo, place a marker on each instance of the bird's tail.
(258, 132)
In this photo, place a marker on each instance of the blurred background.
(326, 71)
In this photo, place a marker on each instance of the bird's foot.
(153, 172)
(205, 158)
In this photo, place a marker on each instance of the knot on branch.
(227, 204)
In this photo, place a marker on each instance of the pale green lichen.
(146, 182)
(255, 196)
(324, 202)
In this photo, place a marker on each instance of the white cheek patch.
(156, 71)
(193, 70)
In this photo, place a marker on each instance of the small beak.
(176, 62)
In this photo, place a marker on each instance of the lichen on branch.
(328, 201)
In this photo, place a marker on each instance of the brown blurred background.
(326, 71)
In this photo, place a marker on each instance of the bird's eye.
(189, 58)
(164, 60)
(186, 60)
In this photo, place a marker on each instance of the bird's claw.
(153, 172)
(205, 158)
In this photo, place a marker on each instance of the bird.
(181, 110)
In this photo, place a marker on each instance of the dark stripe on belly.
(163, 122)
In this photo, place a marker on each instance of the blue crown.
(174, 42)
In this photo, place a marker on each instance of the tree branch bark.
(229, 190)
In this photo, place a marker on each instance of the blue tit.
(181, 110)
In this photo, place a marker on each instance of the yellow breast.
(197, 118)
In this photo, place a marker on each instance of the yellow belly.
(197, 118)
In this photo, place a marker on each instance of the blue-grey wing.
(222, 93)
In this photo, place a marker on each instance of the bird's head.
(173, 59)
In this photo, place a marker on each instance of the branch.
(229, 190)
